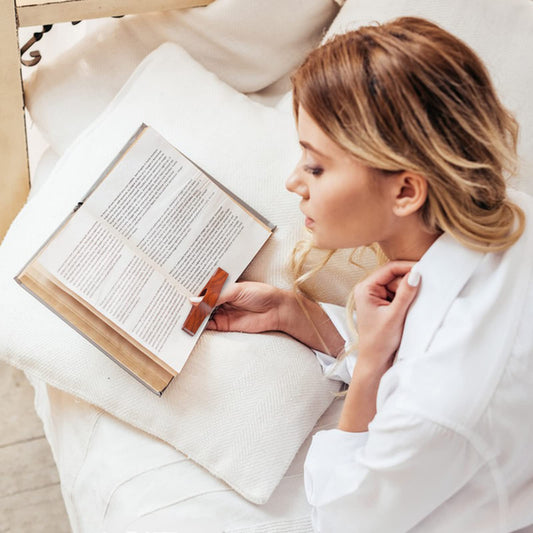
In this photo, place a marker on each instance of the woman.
(406, 144)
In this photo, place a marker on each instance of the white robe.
(451, 446)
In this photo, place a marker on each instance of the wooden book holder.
(205, 306)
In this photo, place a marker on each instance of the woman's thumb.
(230, 293)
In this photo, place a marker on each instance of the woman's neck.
(410, 244)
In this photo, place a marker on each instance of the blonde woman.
(405, 144)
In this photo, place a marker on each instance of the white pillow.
(244, 403)
(500, 31)
(247, 44)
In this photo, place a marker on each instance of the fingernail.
(195, 299)
(414, 278)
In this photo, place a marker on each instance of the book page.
(149, 236)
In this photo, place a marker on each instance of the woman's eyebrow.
(311, 148)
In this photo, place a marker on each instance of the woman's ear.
(410, 193)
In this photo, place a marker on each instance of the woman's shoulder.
(471, 321)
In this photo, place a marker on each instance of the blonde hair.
(407, 95)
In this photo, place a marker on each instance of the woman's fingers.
(382, 301)
(392, 287)
(389, 272)
(382, 284)
(235, 320)
(221, 321)
(229, 293)
(406, 292)
(247, 306)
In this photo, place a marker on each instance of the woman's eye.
(315, 171)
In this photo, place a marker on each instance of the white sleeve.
(338, 370)
(388, 479)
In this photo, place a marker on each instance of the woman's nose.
(296, 184)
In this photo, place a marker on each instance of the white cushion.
(244, 403)
(117, 478)
(247, 44)
(500, 31)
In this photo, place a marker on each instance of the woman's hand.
(382, 301)
(254, 307)
(249, 307)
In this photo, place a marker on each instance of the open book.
(150, 234)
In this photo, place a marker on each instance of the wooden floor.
(30, 497)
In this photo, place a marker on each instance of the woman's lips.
(309, 222)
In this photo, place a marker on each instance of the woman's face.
(344, 205)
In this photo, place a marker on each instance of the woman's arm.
(254, 307)
(306, 321)
(389, 479)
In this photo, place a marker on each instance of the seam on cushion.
(89, 442)
(214, 491)
(293, 476)
(123, 482)
(326, 426)
(290, 525)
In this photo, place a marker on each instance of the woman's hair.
(407, 95)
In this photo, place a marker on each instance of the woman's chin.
(321, 243)
(324, 243)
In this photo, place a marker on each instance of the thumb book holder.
(208, 299)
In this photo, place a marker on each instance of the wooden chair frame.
(14, 168)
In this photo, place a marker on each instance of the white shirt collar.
(445, 268)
